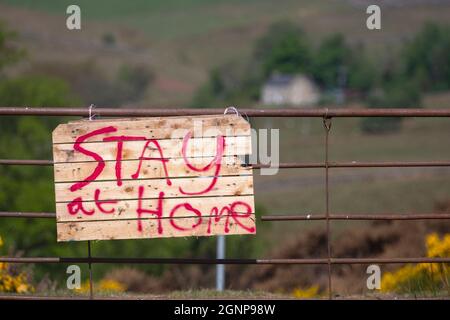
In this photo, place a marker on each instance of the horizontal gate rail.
(285, 165)
(406, 216)
(27, 214)
(221, 261)
(320, 113)
(289, 217)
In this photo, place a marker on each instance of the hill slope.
(182, 40)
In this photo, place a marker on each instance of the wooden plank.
(197, 147)
(155, 128)
(173, 198)
(127, 209)
(225, 186)
(78, 171)
(127, 229)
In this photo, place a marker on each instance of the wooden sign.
(153, 178)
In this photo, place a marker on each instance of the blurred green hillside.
(181, 41)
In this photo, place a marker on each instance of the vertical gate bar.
(91, 289)
(327, 126)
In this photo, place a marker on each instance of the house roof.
(280, 80)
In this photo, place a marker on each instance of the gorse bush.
(422, 277)
(12, 280)
(103, 286)
(311, 292)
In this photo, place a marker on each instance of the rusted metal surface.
(406, 216)
(27, 215)
(298, 112)
(26, 162)
(286, 165)
(91, 284)
(280, 217)
(315, 261)
(39, 298)
(356, 164)
(327, 126)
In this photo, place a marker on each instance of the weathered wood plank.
(128, 229)
(197, 147)
(166, 199)
(109, 190)
(127, 209)
(78, 171)
(155, 128)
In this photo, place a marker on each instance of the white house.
(292, 90)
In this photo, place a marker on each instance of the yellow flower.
(423, 274)
(11, 283)
(105, 285)
(22, 288)
(310, 292)
(436, 247)
(111, 286)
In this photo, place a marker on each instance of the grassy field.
(371, 190)
(188, 294)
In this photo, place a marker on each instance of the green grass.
(168, 19)
(357, 190)
(185, 294)
(227, 294)
(410, 196)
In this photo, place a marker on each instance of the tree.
(28, 188)
(331, 59)
(9, 53)
(400, 93)
(284, 49)
(336, 64)
(426, 57)
(230, 83)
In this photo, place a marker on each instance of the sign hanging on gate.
(153, 178)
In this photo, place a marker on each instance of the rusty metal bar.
(91, 282)
(315, 261)
(74, 297)
(357, 164)
(17, 297)
(149, 112)
(286, 165)
(26, 162)
(327, 126)
(429, 216)
(291, 217)
(47, 215)
(39, 298)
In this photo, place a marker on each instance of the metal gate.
(327, 116)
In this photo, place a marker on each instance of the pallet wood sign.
(153, 178)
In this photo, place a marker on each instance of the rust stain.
(126, 153)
